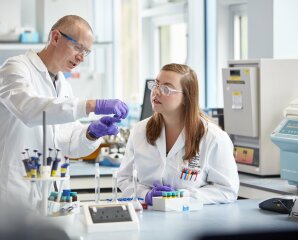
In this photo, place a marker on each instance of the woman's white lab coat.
(217, 181)
(26, 90)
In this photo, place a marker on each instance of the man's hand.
(111, 106)
(102, 127)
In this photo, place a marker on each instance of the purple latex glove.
(111, 106)
(156, 191)
(103, 126)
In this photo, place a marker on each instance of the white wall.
(10, 15)
(27, 8)
(285, 29)
(196, 44)
(260, 29)
(48, 12)
(225, 37)
(211, 53)
(272, 29)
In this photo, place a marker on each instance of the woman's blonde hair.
(194, 127)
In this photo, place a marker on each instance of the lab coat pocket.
(184, 177)
(182, 174)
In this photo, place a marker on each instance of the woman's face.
(161, 103)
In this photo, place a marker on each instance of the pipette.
(49, 158)
(27, 150)
(26, 162)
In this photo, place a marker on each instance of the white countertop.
(242, 216)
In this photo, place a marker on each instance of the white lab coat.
(26, 90)
(217, 182)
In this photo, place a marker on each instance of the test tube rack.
(178, 204)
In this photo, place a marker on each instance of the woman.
(178, 147)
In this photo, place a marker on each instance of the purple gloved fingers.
(102, 127)
(151, 194)
(107, 120)
(164, 188)
(156, 191)
(111, 106)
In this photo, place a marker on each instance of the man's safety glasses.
(78, 47)
(164, 89)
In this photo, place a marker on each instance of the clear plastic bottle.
(135, 201)
(115, 187)
(97, 183)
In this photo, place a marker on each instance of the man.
(33, 83)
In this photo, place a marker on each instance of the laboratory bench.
(253, 187)
(256, 187)
(242, 216)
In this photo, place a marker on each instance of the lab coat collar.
(36, 61)
(161, 144)
(179, 144)
(41, 67)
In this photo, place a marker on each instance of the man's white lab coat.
(26, 90)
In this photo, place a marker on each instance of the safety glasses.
(78, 47)
(164, 89)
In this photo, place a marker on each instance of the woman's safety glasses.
(164, 89)
(78, 47)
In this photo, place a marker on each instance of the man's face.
(72, 47)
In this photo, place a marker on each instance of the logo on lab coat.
(195, 162)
